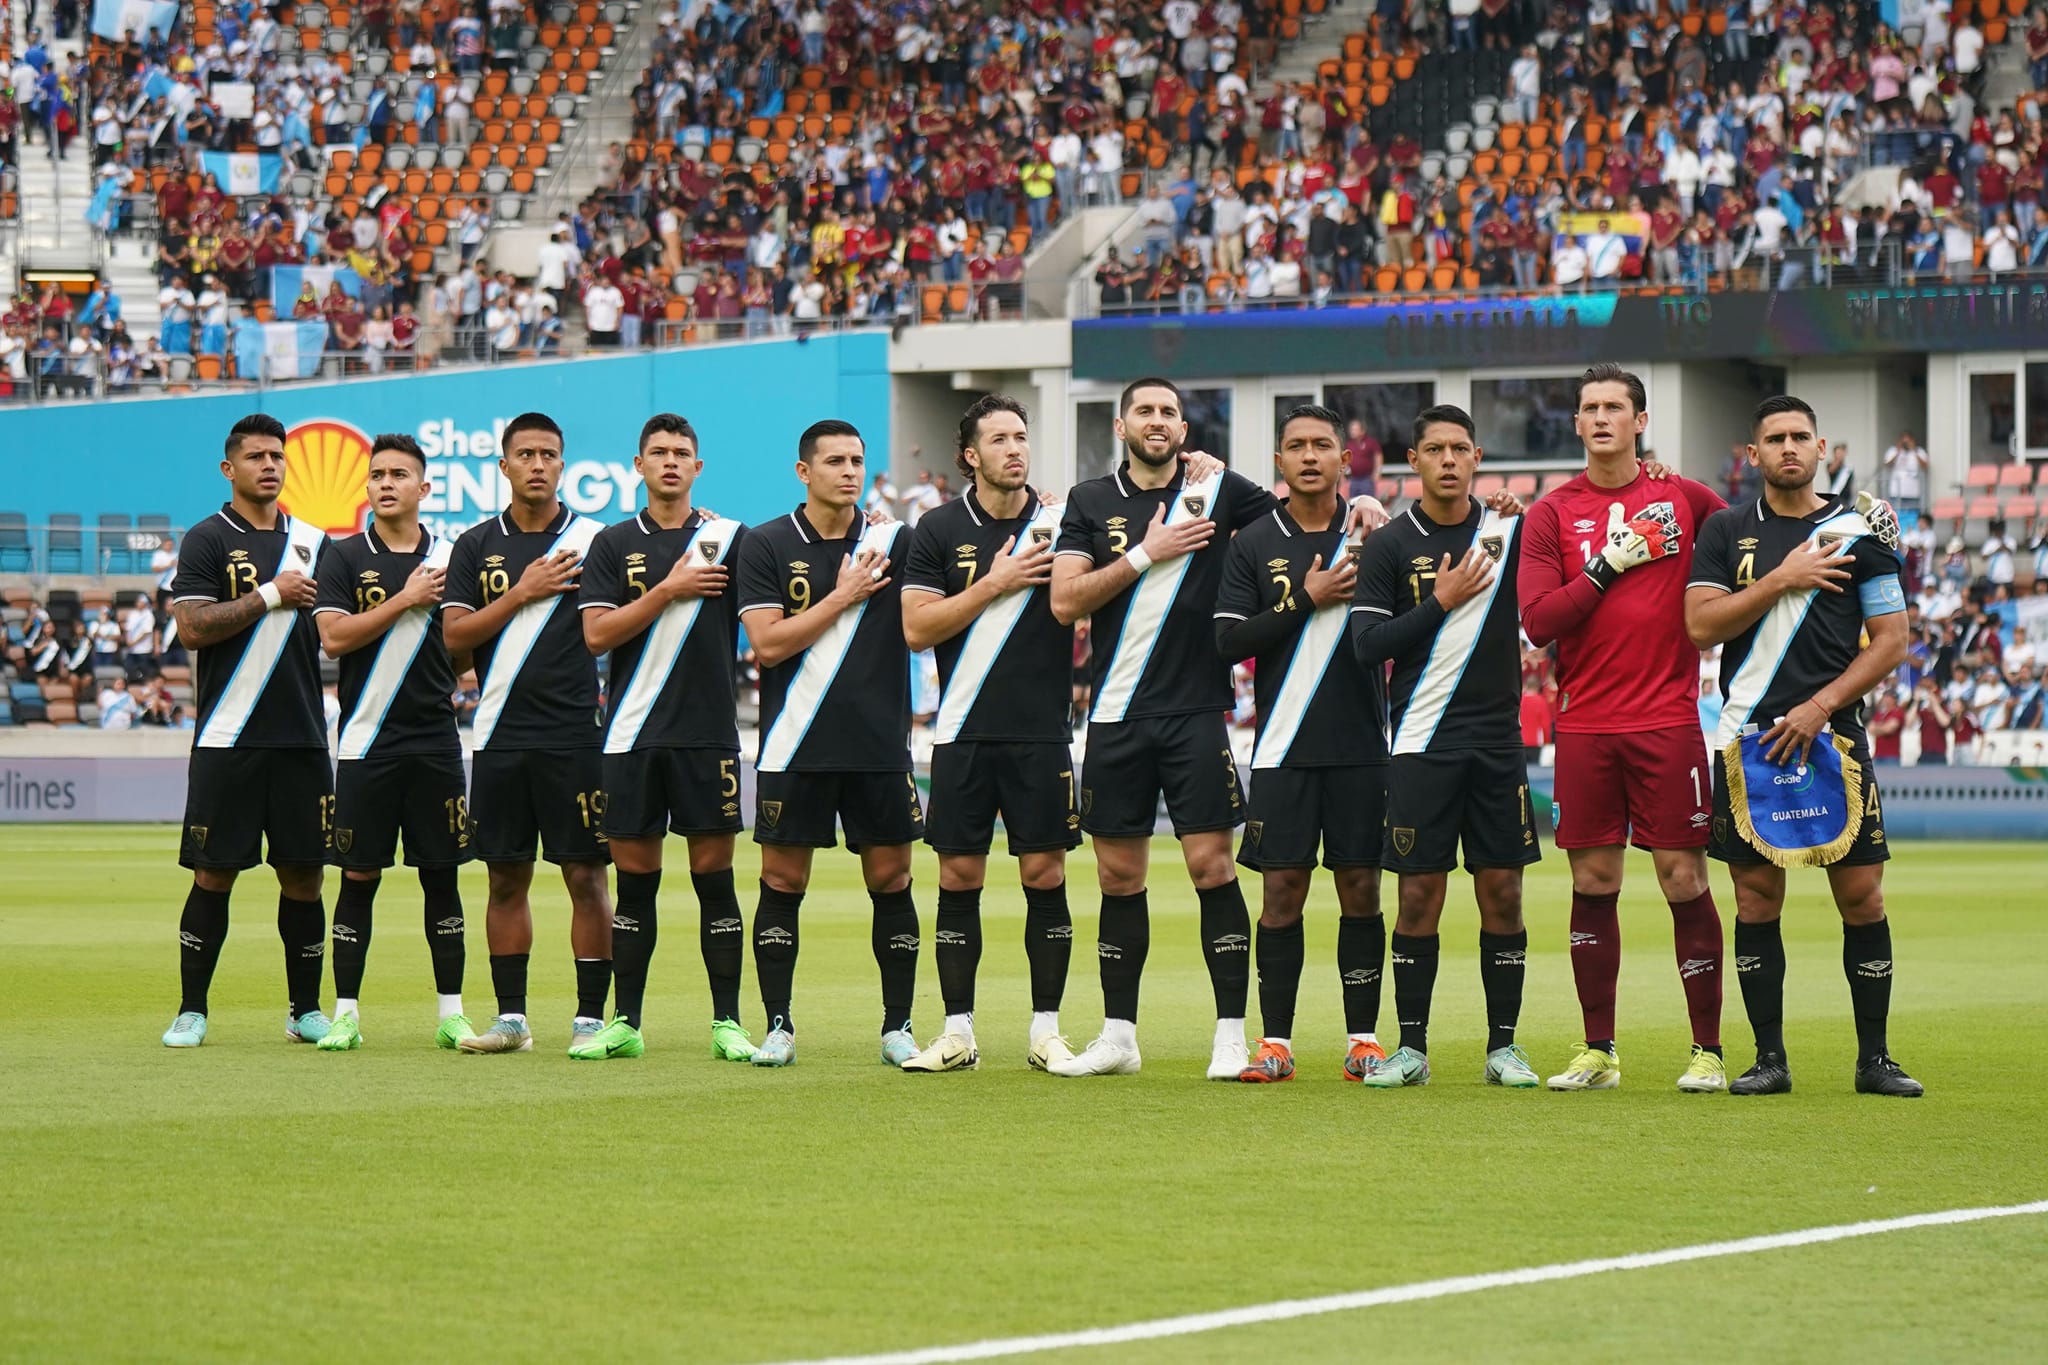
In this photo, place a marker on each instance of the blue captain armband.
(1881, 595)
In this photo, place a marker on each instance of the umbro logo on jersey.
(191, 940)
(799, 566)
(1059, 931)
(238, 554)
(950, 938)
(1361, 976)
(1746, 543)
(964, 551)
(367, 576)
(1584, 525)
(774, 933)
(636, 558)
(345, 933)
(494, 561)
(903, 943)
(1109, 952)
(1695, 966)
(626, 922)
(1422, 562)
(1276, 565)
(451, 925)
(1231, 943)
(728, 925)
(1581, 939)
(1881, 967)
(708, 550)
(1748, 964)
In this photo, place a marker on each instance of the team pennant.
(1796, 814)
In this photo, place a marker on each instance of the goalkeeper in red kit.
(1604, 566)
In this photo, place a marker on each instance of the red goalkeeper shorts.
(1652, 789)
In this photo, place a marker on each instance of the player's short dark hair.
(668, 424)
(1779, 403)
(1311, 412)
(807, 444)
(1123, 402)
(529, 421)
(988, 405)
(255, 424)
(1443, 412)
(1607, 372)
(402, 443)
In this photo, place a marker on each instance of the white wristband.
(272, 598)
(1138, 559)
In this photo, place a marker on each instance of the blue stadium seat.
(14, 546)
(114, 554)
(67, 543)
(6, 711)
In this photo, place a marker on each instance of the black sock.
(593, 983)
(1503, 964)
(302, 926)
(202, 929)
(775, 952)
(1121, 942)
(1414, 983)
(956, 947)
(722, 936)
(894, 936)
(634, 928)
(508, 982)
(1760, 968)
(1226, 944)
(445, 927)
(351, 932)
(1048, 944)
(1280, 952)
(1361, 963)
(1867, 962)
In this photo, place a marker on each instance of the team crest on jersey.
(1492, 546)
(304, 553)
(1195, 503)
(1041, 535)
(344, 840)
(1404, 840)
(771, 812)
(1830, 542)
(708, 550)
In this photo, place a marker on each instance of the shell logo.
(326, 475)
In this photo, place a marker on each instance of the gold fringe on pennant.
(1821, 855)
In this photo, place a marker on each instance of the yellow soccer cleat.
(1593, 1069)
(1706, 1074)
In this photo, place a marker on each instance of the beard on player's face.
(1138, 445)
(1788, 480)
(994, 474)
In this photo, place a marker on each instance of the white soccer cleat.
(1051, 1050)
(948, 1052)
(1228, 1060)
(1100, 1058)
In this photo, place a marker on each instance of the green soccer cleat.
(730, 1042)
(898, 1047)
(1593, 1069)
(309, 1027)
(1509, 1066)
(616, 1039)
(1706, 1074)
(345, 1035)
(187, 1030)
(777, 1049)
(1405, 1067)
(504, 1035)
(453, 1030)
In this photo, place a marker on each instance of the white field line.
(1285, 1309)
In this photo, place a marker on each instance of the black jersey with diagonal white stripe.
(685, 698)
(1457, 679)
(1318, 706)
(1153, 647)
(843, 705)
(1805, 640)
(224, 558)
(397, 692)
(544, 685)
(1009, 675)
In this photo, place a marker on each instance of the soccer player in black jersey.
(1770, 583)
(1319, 766)
(1141, 552)
(400, 758)
(656, 598)
(820, 596)
(536, 777)
(976, 591)
(1436, 595)
(259, 770)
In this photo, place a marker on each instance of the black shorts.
(1295, 810)
(1131, 762)
(550, 798)
(1479, 797)
(422, 794)
(877, 810)
(682, 791)
(1031, 785)
(1728, 845)
(237, 801)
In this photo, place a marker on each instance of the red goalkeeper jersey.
(1623, 659)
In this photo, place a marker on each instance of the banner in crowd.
(287, 280)
(280, 350)
(240, 173)
(1632, 227)
(116, 19)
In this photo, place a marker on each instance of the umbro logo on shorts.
(1231, 943)
(725, 926)
(1695, 966)
(773, 934)
(1748, 964)
(191, 940)
(951, 938)
(903, 943)
(451, 925)
(1882, 967)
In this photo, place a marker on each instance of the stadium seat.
(2021, 507)
(112, 537)
(15, 551)
(1981, 476)
(66, 543)
(2015, 475)
(1946, 509)
(1982, 509)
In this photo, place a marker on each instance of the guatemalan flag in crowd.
(116, 19)
(282, 350)
(287, 280)
(240, 173)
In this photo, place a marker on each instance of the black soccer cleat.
(1770, 1076)
(1883, 1076)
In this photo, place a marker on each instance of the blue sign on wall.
(748, 404)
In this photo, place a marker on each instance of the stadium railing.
(114, 543)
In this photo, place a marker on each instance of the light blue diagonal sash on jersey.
(1456, 639)
(1774, 636)
(988, 633)
(820, 667)
(266, 646)
(395, 653)
(1314, 651)
(711, 542)
(517, 639)
(1150, 602)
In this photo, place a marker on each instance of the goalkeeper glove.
(1649, 535)
(1883, 522)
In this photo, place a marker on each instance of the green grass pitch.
(258, 1201)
